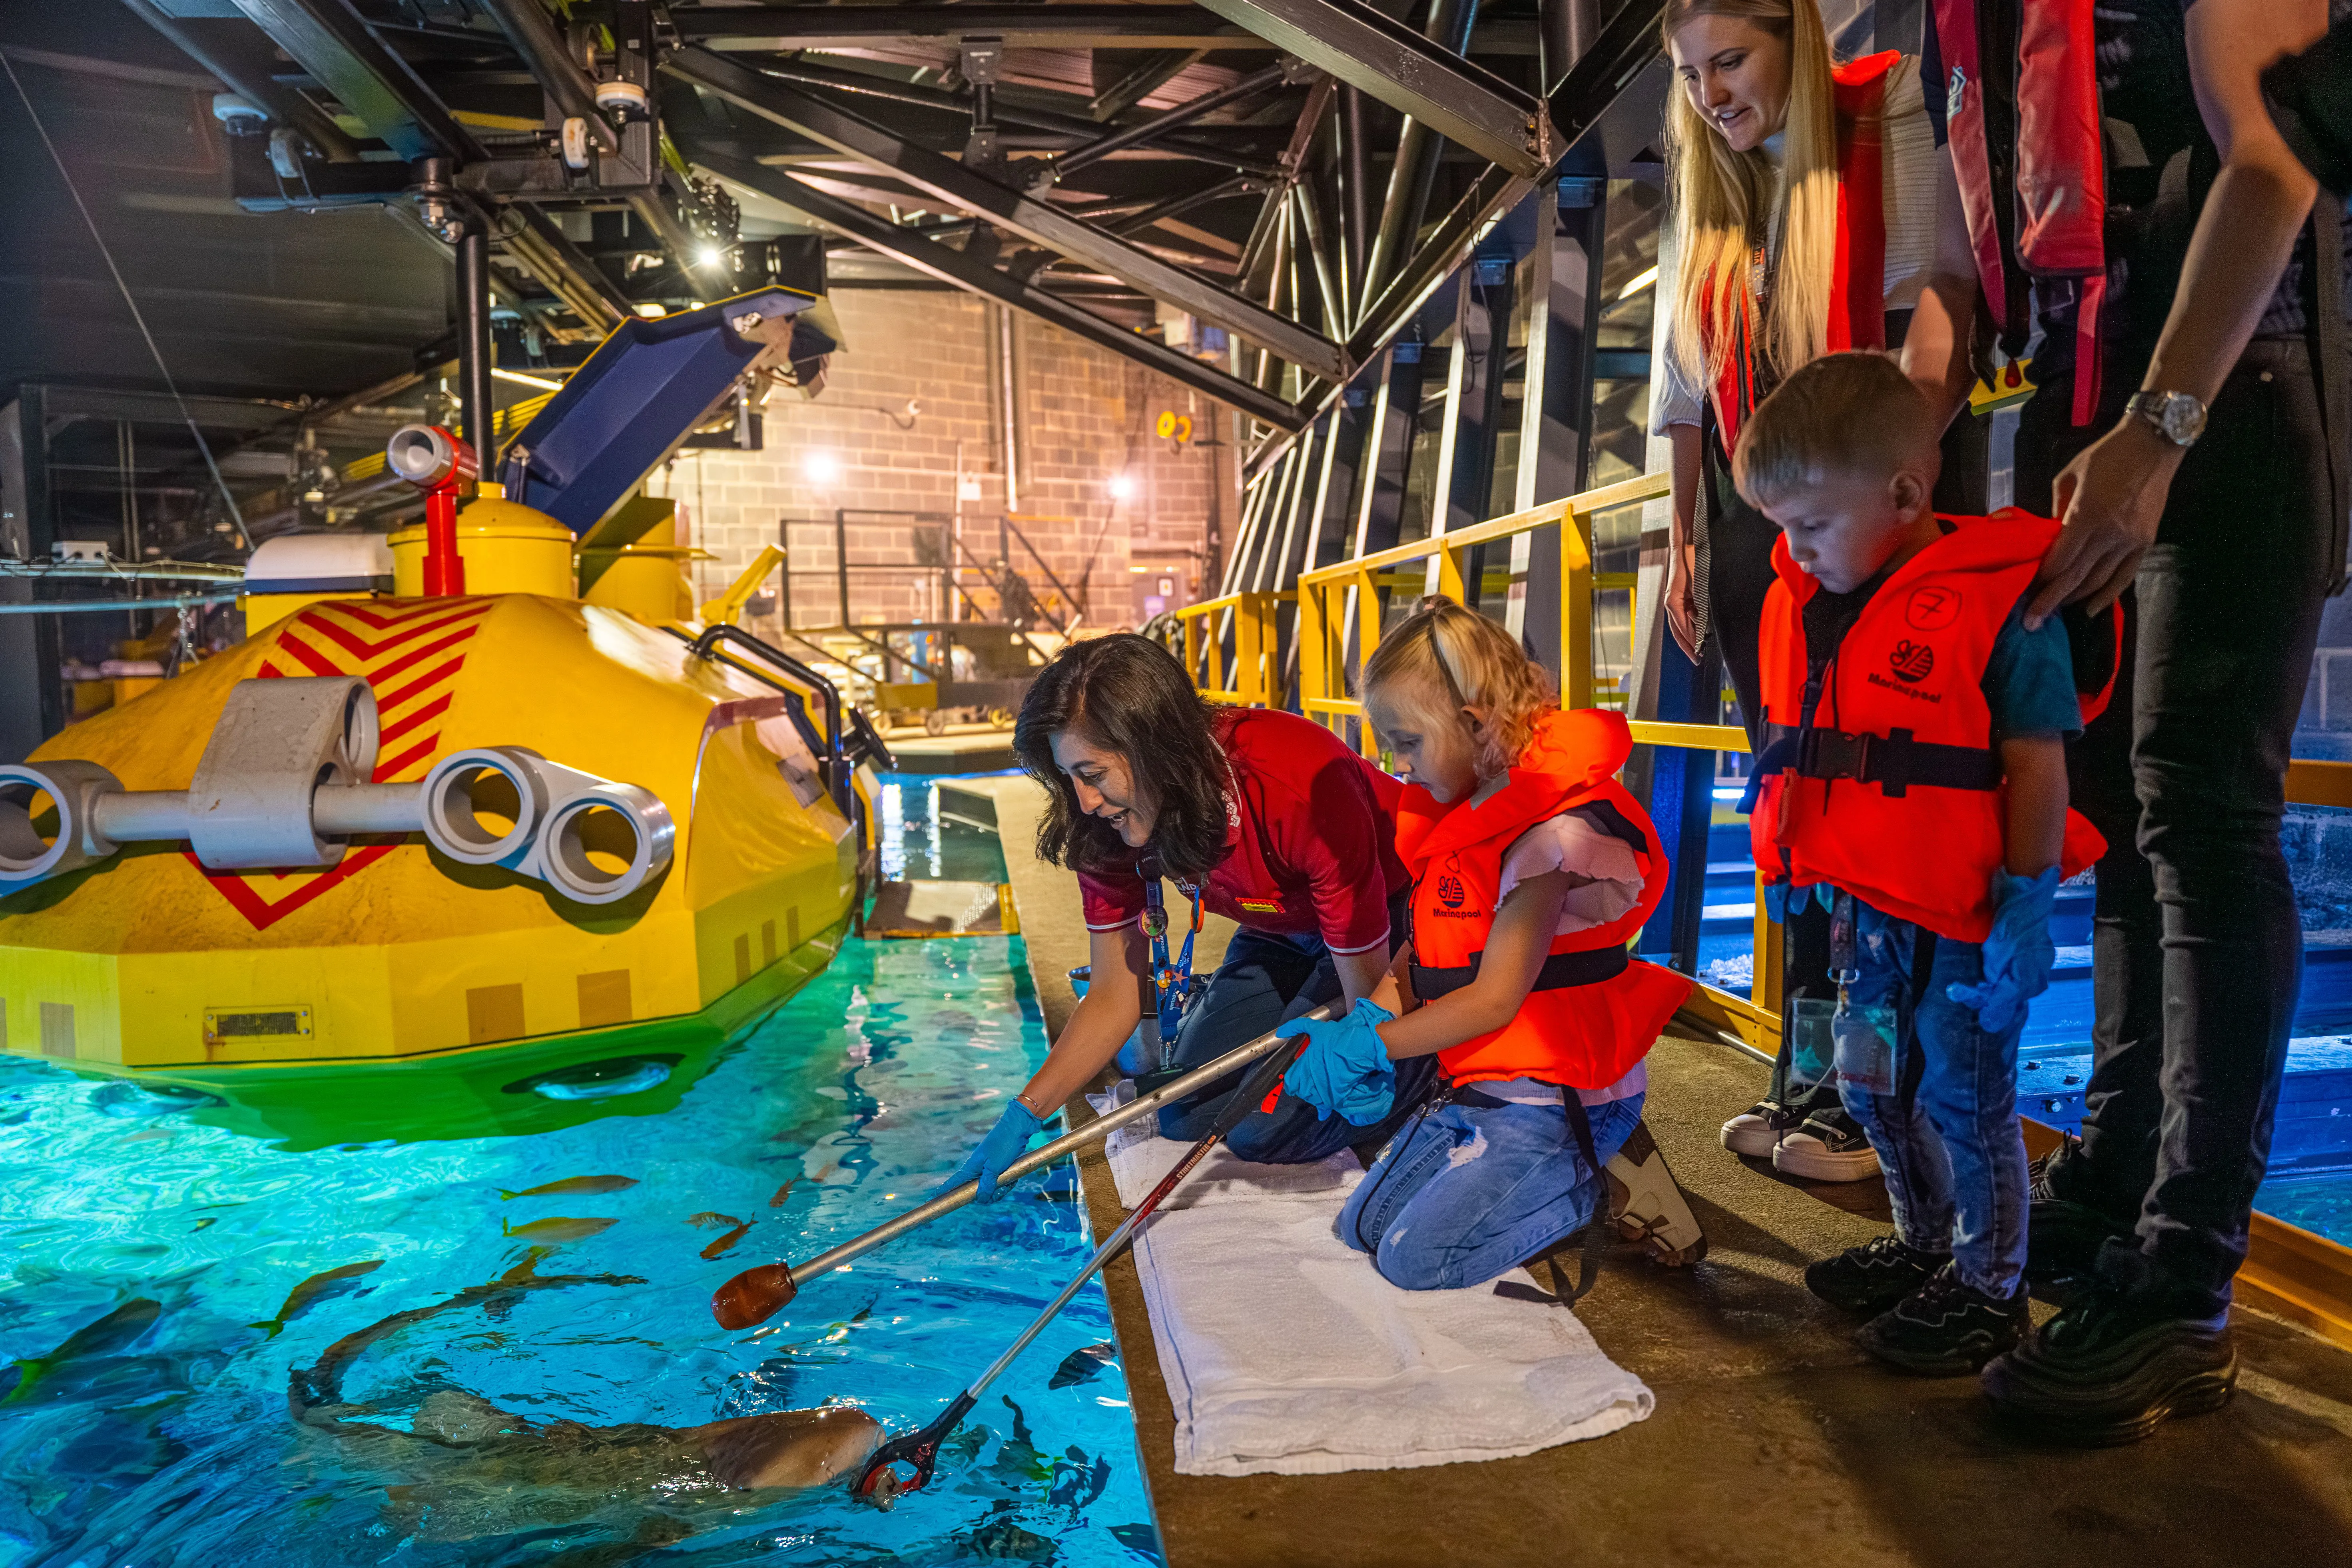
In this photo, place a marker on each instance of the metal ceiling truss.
(963, 142)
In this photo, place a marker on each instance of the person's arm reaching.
(2036, 767)
(2018, 953)
(1682, 547)
(1516, 950)
(2112, 496)
(1100, 1023)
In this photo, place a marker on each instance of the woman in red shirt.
(1266, 818)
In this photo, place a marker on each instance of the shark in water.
(469, 1468)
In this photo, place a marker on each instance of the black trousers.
(2198, 951)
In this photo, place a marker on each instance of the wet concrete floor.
(1774, 1441)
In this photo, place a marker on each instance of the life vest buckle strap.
(1895, 761)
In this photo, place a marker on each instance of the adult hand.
(1005, 1142)
(1682, 601)
(2018, 956)
(1345, 1067)
(2110, 497)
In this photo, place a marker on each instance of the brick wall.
(1088, 417)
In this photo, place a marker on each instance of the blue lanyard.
(1172, 984)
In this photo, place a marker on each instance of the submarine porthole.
(610, 1078)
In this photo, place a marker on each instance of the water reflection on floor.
(150, 1304)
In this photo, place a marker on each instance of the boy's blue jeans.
(1468, 1191)
(1952, 1151)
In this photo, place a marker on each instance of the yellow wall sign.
(1174, 427)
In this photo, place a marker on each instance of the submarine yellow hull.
(474, 980)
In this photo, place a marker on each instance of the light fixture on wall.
(1122, 487)
(820, 467)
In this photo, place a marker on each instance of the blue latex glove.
(1781, 899)
(2018, 956)
(1345, 1068)
(1005, 1142)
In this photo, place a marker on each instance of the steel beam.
(541, 249)
(256, 86)
(532, 32)
(1462, 102)
(1152, 73)
(946, 181)
(1628, 43)
(1017, 26)
(906, 245)
(328, 39)
(1152, 130)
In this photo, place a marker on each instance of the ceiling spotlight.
(709, 256)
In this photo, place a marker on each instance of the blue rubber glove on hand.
(1005, 1142)
(1345, 1068)
(2018, 956)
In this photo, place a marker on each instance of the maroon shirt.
(1311, 839)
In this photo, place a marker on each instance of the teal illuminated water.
(166, 1437)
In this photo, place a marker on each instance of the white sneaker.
(1758, 1131)
(1647, 1205)
(1828, 1147)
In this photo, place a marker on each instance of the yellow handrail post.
(1249, 674)
(1764, 984)
(1367, 637)
(1192, 650)
(1311, 650)
(1575, 610)
(1449, 574)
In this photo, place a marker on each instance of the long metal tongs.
(921, 1449)
(756, 1294)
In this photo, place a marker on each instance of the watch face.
(2183, 418)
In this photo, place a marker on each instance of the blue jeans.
(1471, 1189)
(1948, 1139)
(1268, 979)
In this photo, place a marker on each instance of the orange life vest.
(1857, 314)
(1594, 1012)
(1892, 788)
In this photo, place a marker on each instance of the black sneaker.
(1945, 1329)
(2112, 1367)
(1829, 1146)
(1875, 1275)
(2062, 1233)
(1756, 1131)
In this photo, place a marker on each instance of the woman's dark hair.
(1128, 695)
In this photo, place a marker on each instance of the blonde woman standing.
(1813, 209)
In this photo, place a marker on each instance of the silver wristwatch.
(2178, 417)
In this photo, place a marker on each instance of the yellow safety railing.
(1253, 678)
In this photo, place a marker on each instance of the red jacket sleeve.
(1339, 837)
(1111, 902)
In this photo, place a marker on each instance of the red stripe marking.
(432, 709)
(417, 656)
(418, 752)
(425, 682)
(269, 672)
(318, 663)
(264, 912)
(359, 647)
(375, 613)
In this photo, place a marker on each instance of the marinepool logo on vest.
(1912, 662)
(1451, 893)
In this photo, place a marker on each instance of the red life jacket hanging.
(2059, 160)
(1857, 313)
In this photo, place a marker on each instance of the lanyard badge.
(1172, 984)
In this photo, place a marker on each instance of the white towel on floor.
(1285, 1352)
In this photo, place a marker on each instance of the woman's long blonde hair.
(1446, 658)
(1722, 198)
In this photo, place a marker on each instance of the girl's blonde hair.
(1721, 200)
(1445, 658)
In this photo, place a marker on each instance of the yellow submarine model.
(490, 852)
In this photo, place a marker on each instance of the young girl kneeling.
(1532, 870)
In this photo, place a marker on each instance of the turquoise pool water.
(163, 1436)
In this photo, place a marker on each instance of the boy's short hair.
(1844, 413)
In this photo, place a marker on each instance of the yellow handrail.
(1256, 677)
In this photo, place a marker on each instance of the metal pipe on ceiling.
(477, 401)
(1414, 175)
(532, 32)
(264, 92)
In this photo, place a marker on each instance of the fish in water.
(782, 1193)
(21, 1381)
(711, 1217)
(315, 1289)
(1083, 1365)
(556, 1229)
(570, 1185)
(468, 1468)
(718, 1248)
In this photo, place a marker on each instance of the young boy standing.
(1915, 777)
